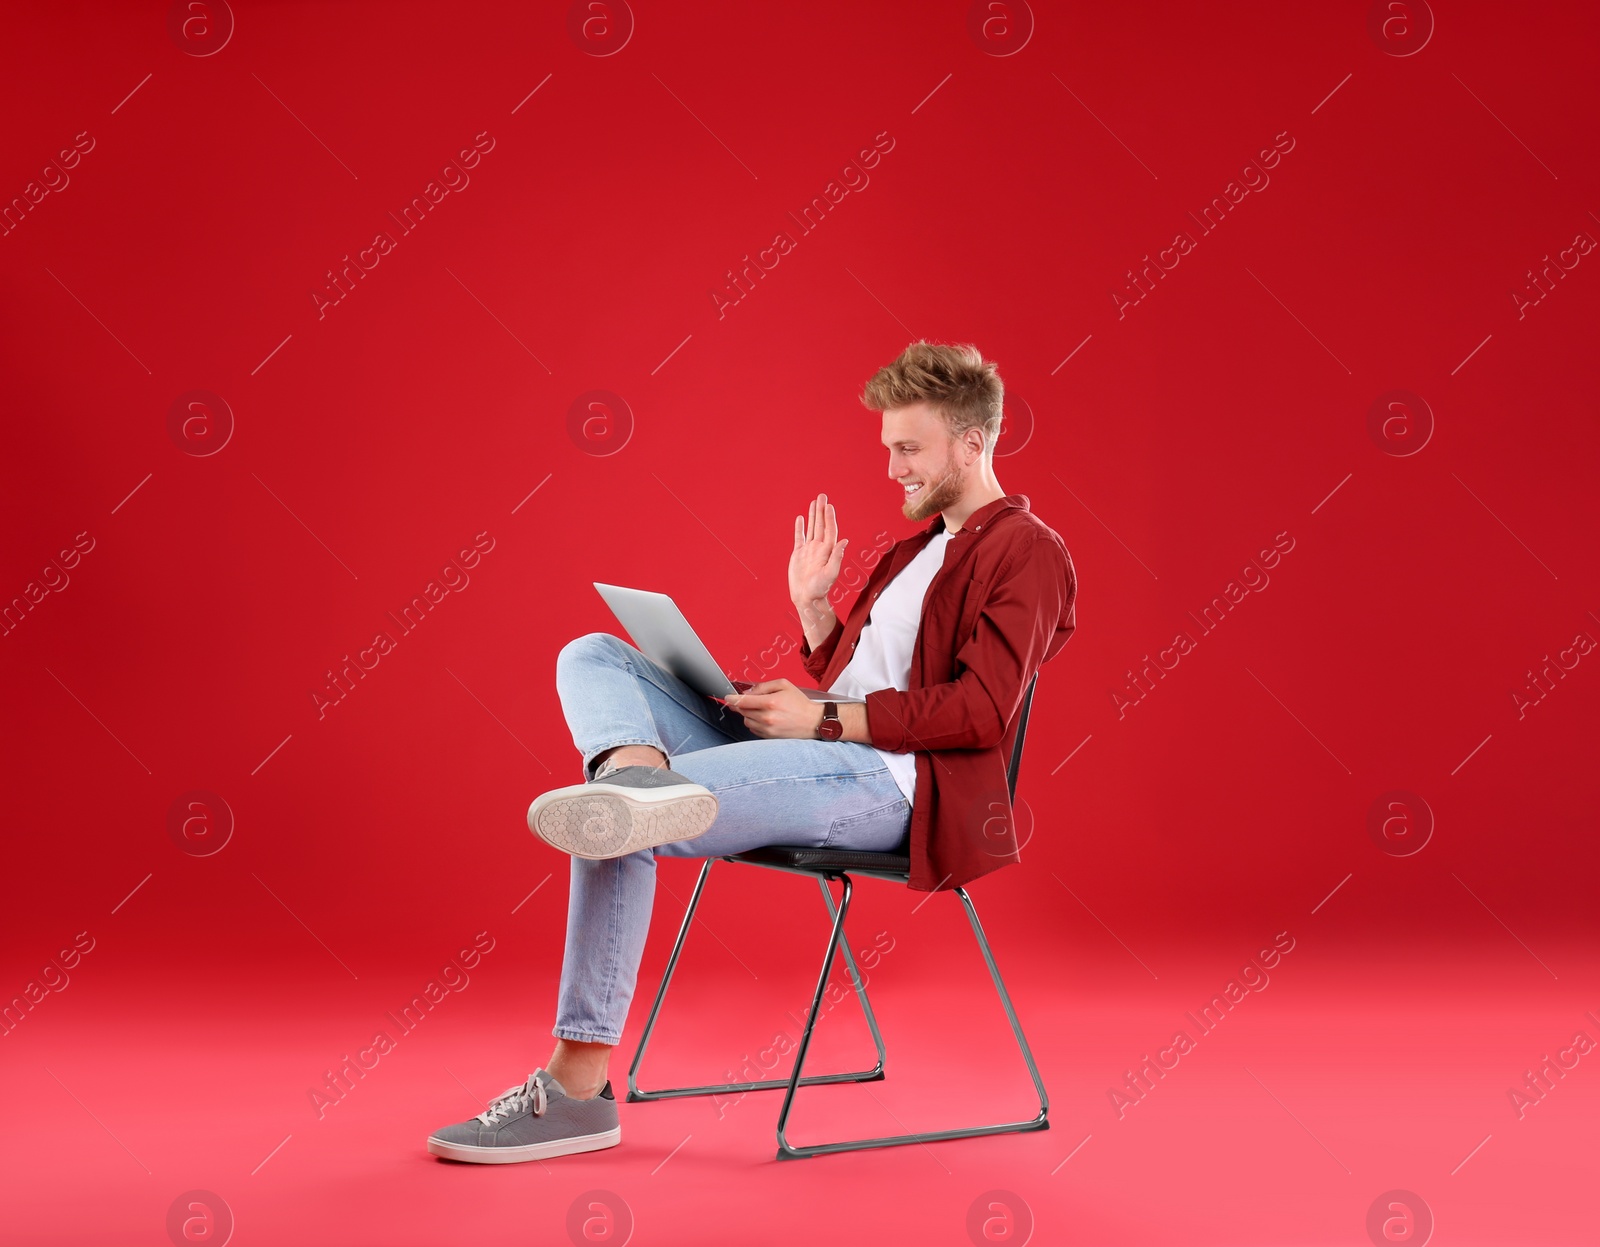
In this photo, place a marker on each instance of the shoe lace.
(515, 1100)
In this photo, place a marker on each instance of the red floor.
(1351, 1073)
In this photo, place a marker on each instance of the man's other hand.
(777, 710)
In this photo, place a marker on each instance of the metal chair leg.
(635, 1095)
(1011, 1013)
(786, 1150)
(860, 986)
(811, 1017)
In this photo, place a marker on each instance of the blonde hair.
(956, 381)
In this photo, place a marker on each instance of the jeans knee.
(588, 648)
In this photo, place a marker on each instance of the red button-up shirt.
(1002, 603)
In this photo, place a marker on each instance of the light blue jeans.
(814, 793)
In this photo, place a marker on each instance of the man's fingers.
(764, 689)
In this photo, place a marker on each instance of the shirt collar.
(979, 519)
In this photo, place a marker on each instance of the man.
(940, 646)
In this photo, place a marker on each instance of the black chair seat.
(825, 861)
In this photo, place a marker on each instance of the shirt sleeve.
(1010, 638)
(816, 661)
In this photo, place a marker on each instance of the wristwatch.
(830, 728)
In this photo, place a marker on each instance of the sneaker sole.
(600, 820)
(528, 1151)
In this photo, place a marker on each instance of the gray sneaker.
(622, 810)
(535, 1121)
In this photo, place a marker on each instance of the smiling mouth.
(913, 491)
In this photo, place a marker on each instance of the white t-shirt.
(883, 653)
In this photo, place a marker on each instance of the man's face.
(923, 459)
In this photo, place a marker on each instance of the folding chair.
(841, 864)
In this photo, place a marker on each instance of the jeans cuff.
(588, 759)
(567, 1033)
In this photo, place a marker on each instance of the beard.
(935, 496)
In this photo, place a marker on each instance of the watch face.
(831, 729)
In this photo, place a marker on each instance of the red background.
(371, 444)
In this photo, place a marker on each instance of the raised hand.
(817, 556)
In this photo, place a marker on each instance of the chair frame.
(823, 873)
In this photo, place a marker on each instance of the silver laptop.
(662, 634)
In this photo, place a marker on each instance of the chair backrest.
(1012, 766)
(1022, 730)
